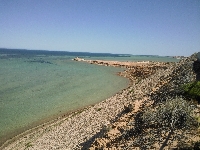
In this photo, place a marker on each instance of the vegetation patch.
(192, 90)
(173, 120)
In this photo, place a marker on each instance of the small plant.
(98, 109)
(27, 145)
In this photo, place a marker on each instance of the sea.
(37, 86)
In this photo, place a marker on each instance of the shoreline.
(37, 127)
(121, 64)
(42, 127)
(83, 128)
(54, 119)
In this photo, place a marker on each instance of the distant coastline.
(71, 53)
(58, 53)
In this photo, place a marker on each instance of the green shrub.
(192, 89)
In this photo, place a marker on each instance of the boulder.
(196, 66)
(198, 56)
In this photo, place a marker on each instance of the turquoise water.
(35, 89)
(37, 86)
(136, 58)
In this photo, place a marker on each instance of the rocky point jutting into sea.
(115, 122)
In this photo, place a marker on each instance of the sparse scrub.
(170, 121)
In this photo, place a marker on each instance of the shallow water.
(37, 88)
(136, 58)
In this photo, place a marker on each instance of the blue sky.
(157, 27)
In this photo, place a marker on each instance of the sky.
(138, 27)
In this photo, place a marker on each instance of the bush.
(176, 114)
(192, 90)
(167, 122)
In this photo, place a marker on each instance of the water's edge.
(50, 120)
(37, 57)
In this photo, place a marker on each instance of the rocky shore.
(127, 64)
(108, 123)
(152, 86)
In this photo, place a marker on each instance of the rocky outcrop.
(196, 67)
(78, 59)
